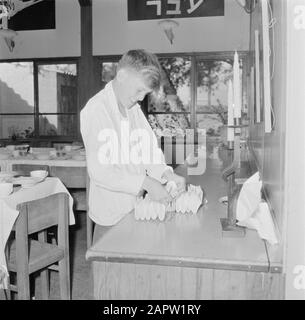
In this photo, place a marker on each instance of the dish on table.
(5, 175)
(27, 182)
(41, 156)
(5, 189)
(4, 155)
(79, 157)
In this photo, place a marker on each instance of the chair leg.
(23, 285)
(44, 275)
(64, 278)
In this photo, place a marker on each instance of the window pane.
(57, 85)
(16, 126)
(169, 124)
(16, 87)
(176, 92)
(57, 125)
(212, 84)
(211, 122)
(108, 71)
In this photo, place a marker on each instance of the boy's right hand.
(156, 191)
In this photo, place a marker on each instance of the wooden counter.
(183, 257)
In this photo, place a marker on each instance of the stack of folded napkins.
(146, 209)
(188, 201)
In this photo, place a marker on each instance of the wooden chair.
(90, 223)
(25, 169)
(26, 255)
(74, 179)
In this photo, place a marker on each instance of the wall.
(280, 154)
(113, 34)
(295, 155)
(269, 148)
(64, 41)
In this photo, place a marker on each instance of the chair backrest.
(46, 212)
(69, 176)
(90, 223)
(25, 169)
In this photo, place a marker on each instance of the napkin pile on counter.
(186, 202)
(252, 212)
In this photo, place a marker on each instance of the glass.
(57, 125)
(175, 94)
(108, 71)
(169, 124)
(57, 84)
(16, 126)
(212, 123)
(212, 95)
(16, 87)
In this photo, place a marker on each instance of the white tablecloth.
(9, 214)
(6, 165)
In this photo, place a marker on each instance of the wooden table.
(184, 257)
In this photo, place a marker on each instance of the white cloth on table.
(9, 214)
(7, 165)
(114, 186)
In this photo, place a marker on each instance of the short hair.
(146, 64)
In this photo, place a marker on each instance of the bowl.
(68, 148)
(39, 174)
(79, 157)
(7, 175)
(4, 156)
(10, 147)
(42, 156)
(5, 189)
(22, 147)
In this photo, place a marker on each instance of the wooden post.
(88, 83)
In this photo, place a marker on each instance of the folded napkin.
(188, 201)
(253, 213)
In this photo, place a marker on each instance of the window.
(38, 100)
(193, 95)
(57, 103)
(169, 111)
(16, 99)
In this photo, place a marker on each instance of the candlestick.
(230, 112)
(237, 93)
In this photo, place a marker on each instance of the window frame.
(36, 114)
(194, 57)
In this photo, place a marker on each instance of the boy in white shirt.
(110, 122)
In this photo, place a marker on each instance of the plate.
(7, 175)
(27, 182)
(79, 157)
(4, 156)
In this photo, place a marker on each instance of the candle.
(230, 112)
(257, 78)
(237, 94)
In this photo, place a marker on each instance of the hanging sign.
(164, 9)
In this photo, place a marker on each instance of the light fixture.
(167, 26)
(248, 5)
(8, 8)
(9, 36)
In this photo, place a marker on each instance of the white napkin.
(252, 213)
(262, 222)
(249, 197)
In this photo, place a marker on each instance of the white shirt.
(114, 186)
